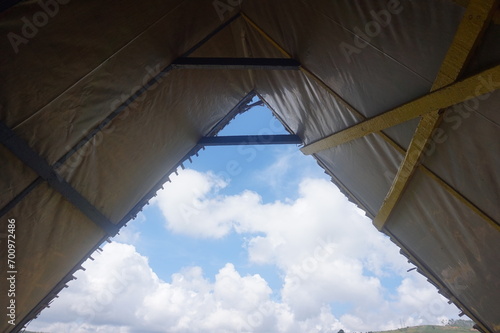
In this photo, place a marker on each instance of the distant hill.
(432, 329)
(454, 326)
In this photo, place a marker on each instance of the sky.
(247, 239)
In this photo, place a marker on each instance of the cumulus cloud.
(326, 251)
(120, 293)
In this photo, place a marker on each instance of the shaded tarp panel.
(100, 65)
(394, 66)
(465, 151)
(151, 138)
(384, 73)
(455, 243)
(50, 236)
(348, 163)
(15, 176)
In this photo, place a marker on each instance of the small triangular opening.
(250, 122)
(254, 121)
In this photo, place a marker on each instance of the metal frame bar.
(470, 30)
(117, 112)
(31, 158)
(439, 99)
(54, 291)
(233, 140)
(141, 91)
(11, 204)
(303, 69)
(237, 63)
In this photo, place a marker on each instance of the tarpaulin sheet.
(459, 247)
(91, 56)
(468, 164)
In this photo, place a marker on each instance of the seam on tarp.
(18, 198)
(372, 45)
(99, 65)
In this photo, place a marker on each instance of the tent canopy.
(396, 100)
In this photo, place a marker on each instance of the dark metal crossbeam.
(117, 112)
(250, 140)
(31, 158)
(237, 63)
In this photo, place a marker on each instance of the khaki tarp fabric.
(72, 72)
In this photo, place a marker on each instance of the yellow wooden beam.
(476, 19)
(471, 28)
(496, 15)
(474, 22)
(424, 131)
(453, 94)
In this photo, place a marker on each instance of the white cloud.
(131, 234)
(326, 251)
(120, 293)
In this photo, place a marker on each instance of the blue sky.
(247, 239)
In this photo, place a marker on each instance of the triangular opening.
(254, 121)
(250, 122)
